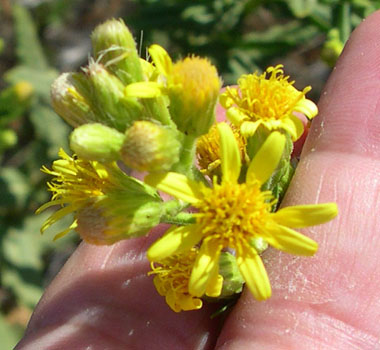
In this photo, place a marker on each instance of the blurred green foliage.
(239, 36)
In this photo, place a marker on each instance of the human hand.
(103, 299)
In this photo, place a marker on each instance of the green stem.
(180, 219)
(186, 157)
(157, 110)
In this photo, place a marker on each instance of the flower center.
(173, 273)
(76, 179)
(234, 213)
(263, 97)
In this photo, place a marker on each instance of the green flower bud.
(106, 94)
(8, 139)
(114, 45)
(150, 147)
(69, 103)
(332, 48)
(113, 218)
(232, 279)
(96, 142)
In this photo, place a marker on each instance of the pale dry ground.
(102, 298)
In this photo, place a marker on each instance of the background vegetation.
(40, 38)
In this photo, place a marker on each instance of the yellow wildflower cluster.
(158, 117)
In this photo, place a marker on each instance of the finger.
(103, 299)
(330, 301)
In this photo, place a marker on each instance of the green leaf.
(28, 47)
(41, 81)
(301, 8)
(22, 268)
(49, 128)
(14, 189)
(9, 334)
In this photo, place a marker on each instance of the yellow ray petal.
(59, 235)
(307, 107)
(161, 59)
(248, 128)
(177, 185)
(215, 283)
(266, 159)
(229, 154)
(175, 240)
(253, 271)
(143, 89)
(204, 266)
(234, 115)
(290, 241)
(298, 126)
(305, 215)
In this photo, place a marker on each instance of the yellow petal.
(291, 127)
(234, 115)
(188, 302)
(229, 154)
(298, 126)
(143, 89)
(161, 59)
(207, 260)
(290, 241)
(175, 240)
(215, 283)
(307, 107)
(306, 215)
(248, 128)
(177, 185)
(253, 271)
(267, 158)
(59, 235)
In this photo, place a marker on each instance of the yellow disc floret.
(270, 100)
(172, 281)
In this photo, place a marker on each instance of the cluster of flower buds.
(158, 117)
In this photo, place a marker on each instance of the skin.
(102, 298)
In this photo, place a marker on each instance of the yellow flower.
(269, 100)
(232, 214)
(208, 150)
(172, 281)
(108, 204)
(192, 85)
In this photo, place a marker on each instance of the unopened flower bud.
(150, 147)
(332, 48)
(96, 142)
(24, 91)
(69, 103)
(232, 279)
(8, 139)
(193, 92)
(112, 219)
(107, 95)
(114, 45)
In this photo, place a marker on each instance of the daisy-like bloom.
(208, 150)
(171, 280)
(108, 204)
(232, 214)
(270, 100)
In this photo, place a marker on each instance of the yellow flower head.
(231, 214)
(208, 150)
(91, 189)
(171, 280)
(192, 85)
(270, 100)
